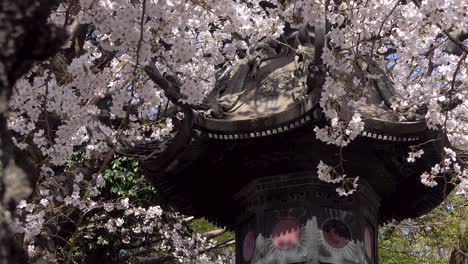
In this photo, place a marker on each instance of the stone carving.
(301, 230)
(271, 67)
(332, 242)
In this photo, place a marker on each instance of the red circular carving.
(248, 248)
(336, 233)
(286, 233)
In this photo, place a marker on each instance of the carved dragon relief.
(270, 67)
(270, 79)
(275, 75)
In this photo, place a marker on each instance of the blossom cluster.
(95, 95)
(410, 45)
(329, 174)
(413, 155)
(109, 218)
(340, 133)
(448, 168)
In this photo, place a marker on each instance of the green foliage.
(124, 179)
(201, 225)
(428, 239)
(76, 159)
(78, 257)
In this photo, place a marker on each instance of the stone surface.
(295, 218)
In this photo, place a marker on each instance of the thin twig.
(383, 23)
(453, 88)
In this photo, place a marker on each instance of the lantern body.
(295, 218)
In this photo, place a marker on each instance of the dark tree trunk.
(25, 38)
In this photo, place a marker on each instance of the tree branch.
(214, 233)
(169, 90)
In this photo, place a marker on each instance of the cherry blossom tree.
(26, 37)
(132, 72)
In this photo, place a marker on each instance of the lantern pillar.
(296, 218)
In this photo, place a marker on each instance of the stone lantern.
(250, 163)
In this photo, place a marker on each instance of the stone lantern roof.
(260, 123)
(246, 158)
